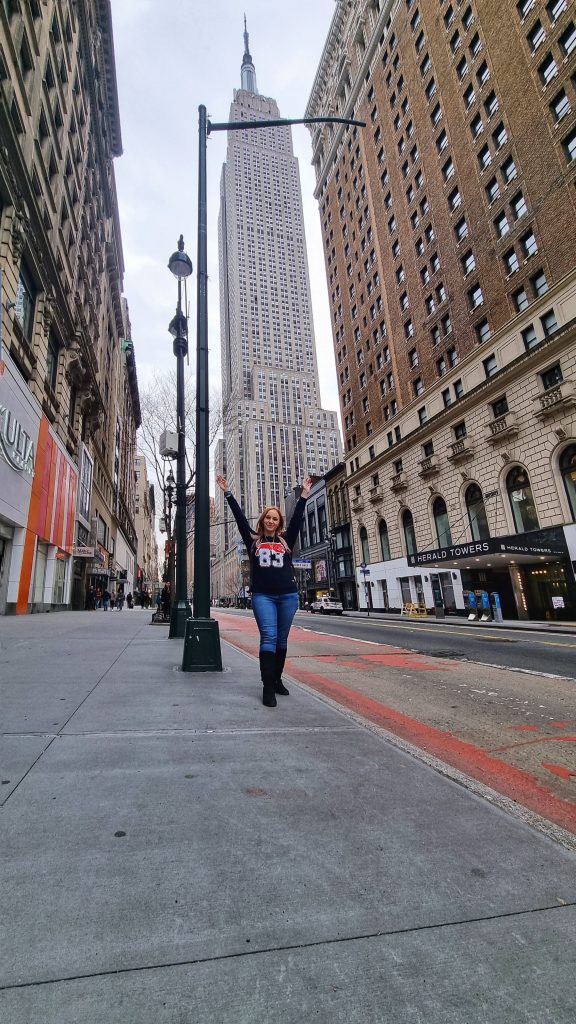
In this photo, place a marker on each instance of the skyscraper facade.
(275, 431)
(449, 227)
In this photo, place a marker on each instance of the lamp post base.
(202, 646)
(179, 615)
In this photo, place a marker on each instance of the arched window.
(364, 544)
(384, 541)
(409, 535)
(440, 513)
(568, 470)
(521, 500)
(477, 513)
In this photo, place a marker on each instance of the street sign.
(301, 564)
(83, 552)
(364, 571)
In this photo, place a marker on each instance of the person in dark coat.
(165, 601)
(272, 583)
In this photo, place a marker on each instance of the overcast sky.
(171, 56)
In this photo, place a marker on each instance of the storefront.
(531, 573)
(37, 501)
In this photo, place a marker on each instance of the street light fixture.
(180, 265)
(202, 643)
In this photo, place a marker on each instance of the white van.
(327, 606)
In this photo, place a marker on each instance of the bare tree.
(158, 405)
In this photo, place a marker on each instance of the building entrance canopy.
(517, 549)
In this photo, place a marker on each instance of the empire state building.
(275, 431)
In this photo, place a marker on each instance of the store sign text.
(16, 446)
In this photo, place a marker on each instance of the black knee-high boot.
(268, 676)
(279, 668)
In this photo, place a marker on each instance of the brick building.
(450, 238)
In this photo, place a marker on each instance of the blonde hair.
(260, 532)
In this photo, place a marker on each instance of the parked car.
(327, 606)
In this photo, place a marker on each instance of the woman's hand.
(222, 482)
(307, 486)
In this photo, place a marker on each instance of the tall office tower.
(275, 430)
(450, 238)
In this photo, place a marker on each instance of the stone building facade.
(449, 227)
(67, 360)
(147, 579)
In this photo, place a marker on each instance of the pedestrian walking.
(120, 601)
(106, 600)
(272, 583)
(129, 600)
(165, 601)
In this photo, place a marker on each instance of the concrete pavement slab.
(506, 971)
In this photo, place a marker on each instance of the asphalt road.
(538, 652)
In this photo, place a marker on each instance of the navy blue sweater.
(271, 570)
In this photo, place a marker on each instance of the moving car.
(327, 606)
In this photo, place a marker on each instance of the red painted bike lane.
(354, 674)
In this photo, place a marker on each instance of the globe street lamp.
(202, 643)
(180, 265)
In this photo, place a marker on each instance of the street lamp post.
(202, 644)
(170, 489)
(180, 265)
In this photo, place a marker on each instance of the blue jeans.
(274, 614)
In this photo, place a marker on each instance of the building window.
(448, 170)
(560, 106)
(442, 141)
(440, 513)
(25, 302)
(458, 388)
(508, 170)
(501, 225)
(529, 244)
(384, 541)
(461, 229)
(446, 398)
(567, 41)
(569, 146)
(490, 365)
(409, 535)
(521, 500)
(511, 262)
(484, 157)
(468, 262)
(520, 300)
(492, 190)
(499, 407)
(551, 377)
(554, 8)
(523, 7)
(476, 513)
(518, 205)
(469, 96)
(482, 330)
(536, 35)
(539, 283)
(529, 337)
(364, 544)
(408, 329)
(568, 471)
(475, 296)
(413, 357)
(476, 126)
(422, 415)
(547, 70)
(417, 386)
(52, 361)
(491, 104)
(549, 324)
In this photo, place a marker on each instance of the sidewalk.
(460, 620)
(175, 853)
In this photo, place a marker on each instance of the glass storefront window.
(477, 513)
(442, 525)
(568, 470)
(521, 500)
(59, 581)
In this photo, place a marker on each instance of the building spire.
(248, 71)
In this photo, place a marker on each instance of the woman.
(272, 583)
